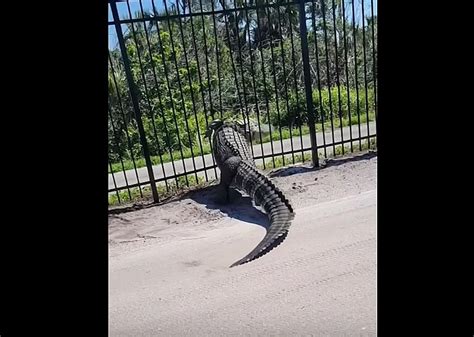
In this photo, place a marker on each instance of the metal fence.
(300, 75)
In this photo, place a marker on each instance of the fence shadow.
(241, 206)
(324, 163)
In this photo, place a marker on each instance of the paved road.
(320, 282)
(206, 160)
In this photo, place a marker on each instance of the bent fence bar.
(300, 75)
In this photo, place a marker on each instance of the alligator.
(232, 155)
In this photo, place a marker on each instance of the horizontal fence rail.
(300, 75)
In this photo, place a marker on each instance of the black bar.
(275, 84)
(212, 12)
(374, 62)
(201, 90)
(136, 107)
(150, 109)
(356, 76)
(159, 99)
(307, 85)
(347, 73)
(265, 86)
(165, 69)
(254, 85)
(365, 69)
(234, 70)
(192, 99)
(318, 74)
(286, 84)
(293, 58)
(208, 86)
(328, 72)
(247, 121)
(338, 83)
(170, 93)
(219, 84)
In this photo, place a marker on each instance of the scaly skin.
(238, 169)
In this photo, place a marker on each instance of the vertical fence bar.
(180, 87)
(211, 106)
(286, 84)
(201, 89)
(145, 87)
(295, 80)
(242, 73)
(264, 79)
(318, 74)
(234, 69)
(347, 73)
(374, 66)
(328, 72)
(173, 108)
(365, 75)
(254, 85)
(275, 85)
(338, 83)
(133, 95)
(356, 76)
(193, 101)
(217, 61)
(158, 94)
(307, 84)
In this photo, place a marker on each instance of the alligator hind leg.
(228, 171)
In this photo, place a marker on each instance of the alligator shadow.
(240, 207)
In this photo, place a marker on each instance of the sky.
(123, 13)
(147, 6)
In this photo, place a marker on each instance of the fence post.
(307, 84)
(134, 97)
